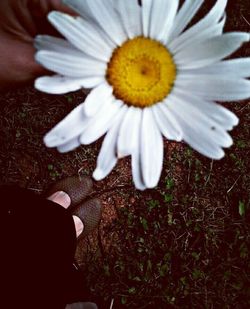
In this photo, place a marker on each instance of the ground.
(184, 244)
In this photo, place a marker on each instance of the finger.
(24, 16)
(40, 9)
(18, 65)
(9, 20)
(59, 6)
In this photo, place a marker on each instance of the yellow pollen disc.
(142, 72)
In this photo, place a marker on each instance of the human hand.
(20, 22)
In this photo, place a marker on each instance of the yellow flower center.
(142, 72)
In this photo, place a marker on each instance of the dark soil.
(185, 244)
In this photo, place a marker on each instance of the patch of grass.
(183, 245)
(53, 172)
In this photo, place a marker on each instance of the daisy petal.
(197, 121)
(137, 172)
(107, 158)
(101, 122)
(47, 42)
(127, 138)
(97, 41)
(210, 32)
(221, 115)
(161, 19)
(210, 51)
(70, 65)
(57, 84)
(108, 20)
(146, 13)
(80, 7)
(214, 88)
(196, 136)
(224, 117)
(197, 139)
(166, 122)
(94, 100)
(69, 146)
(136, 158)
(82, 35)
(91, 82)
(184, 16)
(130, 13)
(215, 13)
(151, 149)
(231, 68)
(69, 128)
(208, 21)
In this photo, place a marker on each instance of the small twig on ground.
(37, 190)
(111, 304)
(81, 169)
(116, 180)
(244, 107)
(231, 188)
(245, 19)
(210, 172)
(118, 187)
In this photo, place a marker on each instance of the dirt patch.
(184, 244)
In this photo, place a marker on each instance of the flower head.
(150, 76)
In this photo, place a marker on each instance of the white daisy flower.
(151, 77)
